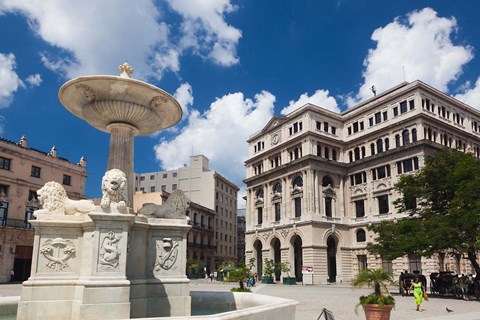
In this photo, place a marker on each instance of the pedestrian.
(418, 291)
(12, 275)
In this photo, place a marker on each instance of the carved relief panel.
(57, 255)
(110, 250)
(167, 256)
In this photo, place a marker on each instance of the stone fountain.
(106, 261)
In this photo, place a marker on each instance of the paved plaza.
(339, 298)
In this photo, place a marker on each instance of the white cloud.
(96, 36)
(184, 96)
(205, 30)
(422, 45)
(219, 134)
(34, 80)
(9, 80)
(470, 95)
(319, 98)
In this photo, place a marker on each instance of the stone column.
(121, 152)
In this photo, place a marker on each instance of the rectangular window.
(383, 204)
(174, 174)
(165, 175)
(325, 126)
(5, 163)
(32, 195)
(319, 125)
(361, 125)
(349, 130)
(385, 116)
(403, 106)
(378, 117)
(67, 180)
(152, 177)
(328, 206)
(395, 111)
(142, 189)
(164, 187)
(298, 207)
(362, 262)
(411, 104)
(370, 122)
(387, 266)
(277, 211)
(152, 189)
(360, 208)
(174, 187)
(36, 172)
(259, 215)
(355, 127)
(334, 130)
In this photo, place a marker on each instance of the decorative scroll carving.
(167, 253)
(157, 101)
(110, 255)
(58, 251)
(114, 189)
(87, 92)
(53, 199)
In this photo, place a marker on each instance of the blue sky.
(231, 64)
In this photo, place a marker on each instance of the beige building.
(316, 179)
(24, 170)
(206, 188)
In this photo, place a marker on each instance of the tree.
(442, 203)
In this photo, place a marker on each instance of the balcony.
(15, 223)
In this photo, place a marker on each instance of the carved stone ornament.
(110, 255)
(58, 251)
(114, 190)
(167, 253)
(266, 235)
(175, 207)
(87, 92)
(157, 101)
(53, 199)
(284, 233)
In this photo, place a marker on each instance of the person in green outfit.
(417, 288)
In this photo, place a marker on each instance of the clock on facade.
(275, 138)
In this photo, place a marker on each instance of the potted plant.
(268, 270)
(379, 303)
(285, 268)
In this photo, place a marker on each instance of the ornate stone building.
(316, 179)
(24, 170)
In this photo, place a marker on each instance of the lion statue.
(173, 208)
(114, 189)
(53, 199)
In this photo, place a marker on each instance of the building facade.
(206, 188)
(24, 170)
(316, 179)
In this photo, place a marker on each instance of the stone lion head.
(114, 187)
(52, 197)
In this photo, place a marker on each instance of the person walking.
(417, 288)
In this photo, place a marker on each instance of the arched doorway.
(332, 259)
(276, 257)
(257, 246)
(298, 257)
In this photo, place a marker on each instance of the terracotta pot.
(377, 312)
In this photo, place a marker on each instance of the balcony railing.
(15, 223)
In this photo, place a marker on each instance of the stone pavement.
(341, 300)
(338, 298)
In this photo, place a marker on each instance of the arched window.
(361, 235)
(356, 151)
(414, 135)
(405, 137)
(298, 182)
(326, 181)
(277, 188)
(379, 145)
(260, 193)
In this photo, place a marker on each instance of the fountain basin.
(235, 305)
